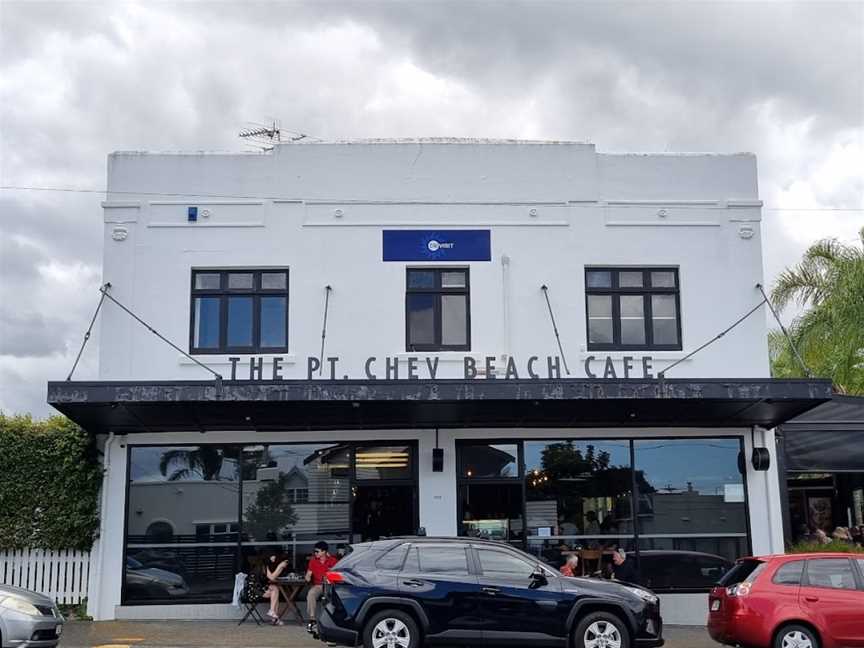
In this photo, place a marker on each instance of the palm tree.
(829, 282)
(203, 462)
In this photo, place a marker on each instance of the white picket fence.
(62, 575)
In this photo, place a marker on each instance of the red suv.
(795, 601)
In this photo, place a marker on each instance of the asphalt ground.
(225, 634)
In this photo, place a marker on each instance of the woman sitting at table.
(569, 568)
(273, 570)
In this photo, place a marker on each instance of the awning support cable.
(798, 357)
(107, 286)
(218, 376)
(327, 290)
(662, 374)
(545, 290)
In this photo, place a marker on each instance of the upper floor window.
(437, 310)
(239, 311)
(633, 308)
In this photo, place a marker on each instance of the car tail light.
(739, 590)
(334, 577)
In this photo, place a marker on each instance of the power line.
(245, 197)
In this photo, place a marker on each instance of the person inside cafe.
(592, 526)
(320, 562)
(570, 567)
(623, 568)
(273, 569)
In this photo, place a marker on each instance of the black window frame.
(646, 291)
(223, 293)
(437, 292)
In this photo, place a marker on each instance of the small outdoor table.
(289, 588)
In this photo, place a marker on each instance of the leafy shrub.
(49, 484)
(835, 546)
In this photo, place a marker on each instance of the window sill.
(443, 356)
(217, 360)
(635, 353)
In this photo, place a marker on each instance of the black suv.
(400, 592)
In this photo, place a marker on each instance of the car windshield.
(744, 571)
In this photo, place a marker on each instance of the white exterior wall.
(688, 211)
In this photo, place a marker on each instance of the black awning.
(127, 407)
(829, 438)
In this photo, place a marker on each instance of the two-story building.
(456, 337)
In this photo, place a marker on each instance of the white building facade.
(459, 337)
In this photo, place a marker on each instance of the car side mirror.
(538, 578)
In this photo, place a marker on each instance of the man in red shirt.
(320, 562)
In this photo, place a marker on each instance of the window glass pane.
(383, 462)
(630, 279)
(393, 559)
(182, 501)
(293, 496)
(240, 280)
(834, 573)
(664, 319)
(454, 319)
(600, 319)
(488, 460)
(578, 490)
(207, 281)
(206, 323)
(421, 319)
(598, 279)
(663, 279)
(274, 281)
(454, 279)
(501, 564)
(691, 499)
(273, 311)
(632, 319)
(492, 511)
(790, 573)
(239, 321)
(421, 279)
(441, 560)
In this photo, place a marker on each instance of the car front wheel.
(601, 630)
(796, 636)
(391, 629)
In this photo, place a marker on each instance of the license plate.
(715, 605)
(58, 630)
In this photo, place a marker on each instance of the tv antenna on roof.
(267, 136)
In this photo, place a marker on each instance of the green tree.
(269, 517)
(829, 283)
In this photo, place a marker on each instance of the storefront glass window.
(182, 529)
(488, 461)
(294, 496)
(692, 511)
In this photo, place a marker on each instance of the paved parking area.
(225, 634)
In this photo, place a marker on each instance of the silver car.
(28, 619)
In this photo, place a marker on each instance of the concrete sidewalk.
(227, 634)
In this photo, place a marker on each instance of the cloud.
(79, 80)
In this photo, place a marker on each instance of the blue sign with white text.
(437, 245)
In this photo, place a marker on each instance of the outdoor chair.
(251, 595)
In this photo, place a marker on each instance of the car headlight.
(19, 605)
(643, 594)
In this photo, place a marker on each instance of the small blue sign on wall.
(437, 245)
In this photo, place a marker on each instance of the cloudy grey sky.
(79, 80)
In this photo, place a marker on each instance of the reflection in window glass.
(694, 503)
(293, 496)
(664, 319)
(492, 511)
(833, 573)
(598, 279)
(488, 460)
(206, 323)
(240, 281)
(600, 319)
(632, 319)
(429, 559)
(578, 489)
(421, 319)
(181, 536)
(630, 279)
(790, 573)
(454, 279)
(207, 280)
(421, 279)
(662, 279)
(503, 565)
(273, 321)
(454, 319)
(239, 321)
(274, 281)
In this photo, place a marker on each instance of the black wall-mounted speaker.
(761, 459)
(437, 459)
